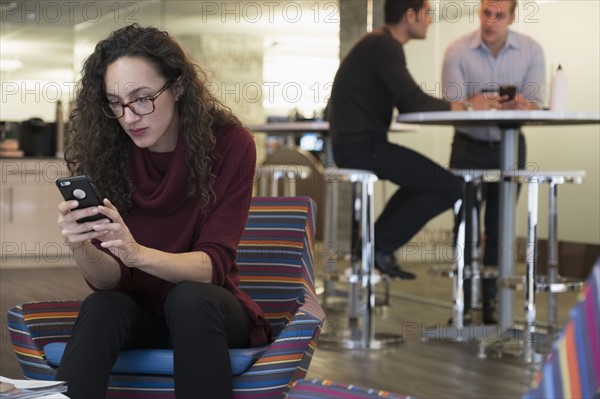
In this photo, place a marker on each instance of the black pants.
(201, 322)
(468, 153)
(426, 189)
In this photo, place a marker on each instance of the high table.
(509, 123)
(300, 127)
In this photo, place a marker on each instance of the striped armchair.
(275, 256)
(572, 369)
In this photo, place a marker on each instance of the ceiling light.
(10, 65)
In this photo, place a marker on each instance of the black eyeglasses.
(139, 106)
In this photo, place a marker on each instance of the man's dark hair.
(513, 5)
(394, 10)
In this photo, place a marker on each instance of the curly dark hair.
(97, 146)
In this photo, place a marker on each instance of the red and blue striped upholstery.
(34, 325)
(324, 389)
(276, 259)
(572, 369)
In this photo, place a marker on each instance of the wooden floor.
(423, 369)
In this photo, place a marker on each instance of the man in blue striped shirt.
(479, 62)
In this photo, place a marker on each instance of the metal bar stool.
(552, 283)
(466, 250)
(361, 276)
(271, 174)
(465, 265)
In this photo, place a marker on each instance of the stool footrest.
(444, 271)
(562, 284)
(450, 271)
(349, 277)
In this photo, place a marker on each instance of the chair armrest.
(33, 325)
(288, 357)
(309, 318)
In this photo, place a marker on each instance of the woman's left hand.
(117, 238)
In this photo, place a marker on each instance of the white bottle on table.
(558, 91)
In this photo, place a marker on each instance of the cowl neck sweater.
(164, 217)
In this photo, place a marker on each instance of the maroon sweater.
(163, 217)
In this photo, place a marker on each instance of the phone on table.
(81, 189)
(508, 90)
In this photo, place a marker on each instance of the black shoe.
(386, 264)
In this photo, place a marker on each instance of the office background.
(276, 58)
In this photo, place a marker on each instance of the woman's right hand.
(101, 271)
(74, 233)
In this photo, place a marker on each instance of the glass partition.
(263, 58)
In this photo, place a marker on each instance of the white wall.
(569, 33)
(24, 99)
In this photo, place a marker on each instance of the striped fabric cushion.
(323, 389)
(572, 369)
(33, 325)
(271, 257)
(278, 248)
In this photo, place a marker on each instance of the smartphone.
(81, 189)
(508, 90)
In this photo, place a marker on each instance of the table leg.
(552, 272)
(332, 251)
(530, 286)
(458, 309)
(368, 264)
(506, 242)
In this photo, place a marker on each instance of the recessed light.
(10, 65)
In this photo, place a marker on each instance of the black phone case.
(81, 189)
(509, 91)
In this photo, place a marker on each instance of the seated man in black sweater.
(370, 82)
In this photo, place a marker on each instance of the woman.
(176, 168)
